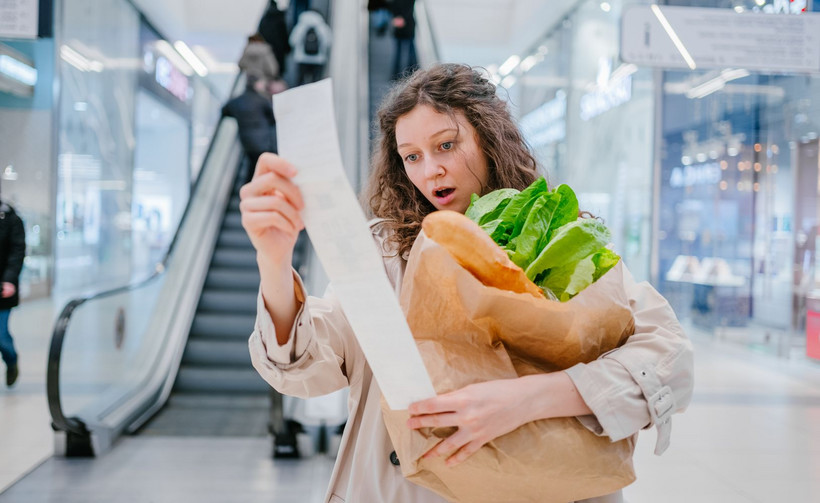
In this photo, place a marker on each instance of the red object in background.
(813, 334)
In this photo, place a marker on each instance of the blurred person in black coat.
(12, 253)
(253, 111)
(404, 31)
(274, 29)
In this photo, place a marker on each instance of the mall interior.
(689, 127)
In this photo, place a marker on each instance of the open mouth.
(442, 193)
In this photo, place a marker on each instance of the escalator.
(167, 355)
(217, 392)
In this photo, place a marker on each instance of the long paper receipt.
(338, 229)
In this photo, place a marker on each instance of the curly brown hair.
(448, 88)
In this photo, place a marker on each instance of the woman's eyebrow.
(434, 135)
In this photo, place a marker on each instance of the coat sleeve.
(319, 353)
(645, 381)
(16, 252)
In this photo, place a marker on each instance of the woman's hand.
(270, 205)
(485, 411)
(481, 411)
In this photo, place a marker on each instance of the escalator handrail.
(73, 424)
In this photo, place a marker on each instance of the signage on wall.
(173, 80)
(19, 18)
(702, 38)
(612, 89)
(696, 174)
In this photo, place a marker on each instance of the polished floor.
(751, 435)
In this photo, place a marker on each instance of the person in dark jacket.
(404, 31)
(12, 253)
(253, 111)
(274, 29)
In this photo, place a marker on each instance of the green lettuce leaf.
(489, 207)
(512, 218)
(570, 243)
(533, 236)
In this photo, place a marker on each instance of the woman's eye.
(412, 158)
(447, 145)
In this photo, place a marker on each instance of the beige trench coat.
(634, 387)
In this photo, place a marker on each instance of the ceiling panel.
(486, 32)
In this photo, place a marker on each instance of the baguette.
(476, 251)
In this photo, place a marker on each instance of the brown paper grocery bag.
(467, 333)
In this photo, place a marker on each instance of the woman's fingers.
(432, 421)
(263, 220)
(270, 183)
(272, 163)
(457, 447)
(274, 203)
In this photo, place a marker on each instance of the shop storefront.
(711, 191)
(100, 151)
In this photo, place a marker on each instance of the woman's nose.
(433, 168)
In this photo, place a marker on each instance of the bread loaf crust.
(476, 251)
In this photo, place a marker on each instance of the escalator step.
(242, 279)
(233, 220)
(234, 238)
(225, 326)
(228, 301)
(217, 353)
(209, 380)
(238, 258)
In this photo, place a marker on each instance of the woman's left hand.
(481, 411)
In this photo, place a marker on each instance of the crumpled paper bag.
(467, 333)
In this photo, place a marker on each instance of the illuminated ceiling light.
(622, 72)
(701, 157)
(606, 7)
(674, 36)
(74, 58)
(508, 81)
(706, 88)
(509, 65)
(756, 186)
(760, 3)
(191, 58)
(212, 64)
(686, 160)
(724, 165)
(18, 70)
(775, 149)
(716, 83)
(739, 9)
(723, 185)
(167, 50)
(528, 62)
(758, 147)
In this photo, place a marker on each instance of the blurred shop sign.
(19, 18)
(612, 88)
(702, 38)
(813, 325)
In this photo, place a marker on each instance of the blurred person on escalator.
(258, 59)
(12, 253)
(404, 31)
(253, 111)
(311, 39)
(273, 27)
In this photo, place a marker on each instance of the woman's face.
(442, 157)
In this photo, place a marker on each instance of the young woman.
(444, 136)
